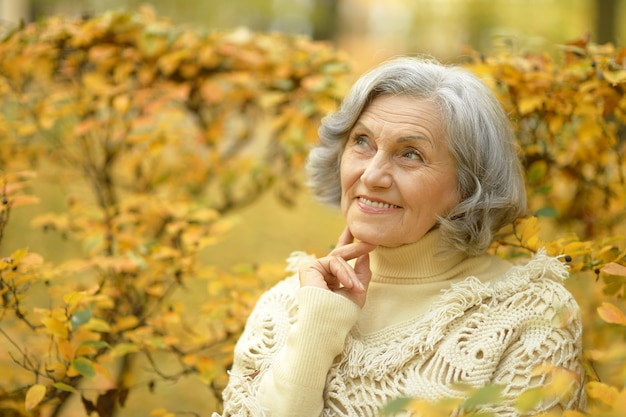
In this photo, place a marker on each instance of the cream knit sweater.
(428, 325)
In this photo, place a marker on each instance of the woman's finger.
(362, 270)
(331, 272)
(345, 237)
(335, 273)
(352, 250)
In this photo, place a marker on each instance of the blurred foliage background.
(372, 30)
(369, 31)
(262, 234)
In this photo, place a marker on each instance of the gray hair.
(479, 137)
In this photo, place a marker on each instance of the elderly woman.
(421, 159)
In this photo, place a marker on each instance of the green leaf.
(396, 406)
(536, 171)
(84, 367)
(485, 395)
(64, 387)
(98, 344)
(80, 317)
(546, 212)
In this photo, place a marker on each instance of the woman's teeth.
(376, 204)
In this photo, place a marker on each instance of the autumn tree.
(156, 133)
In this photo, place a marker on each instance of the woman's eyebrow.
(416, 138)
(402, 139)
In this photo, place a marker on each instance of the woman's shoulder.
(528, 287)
(540, 273)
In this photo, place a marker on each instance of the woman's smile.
(380, 206)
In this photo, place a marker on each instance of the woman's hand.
(334, 273)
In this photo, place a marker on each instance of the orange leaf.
(614, 269)
(611, 314)
(66, 349)
(23, 200)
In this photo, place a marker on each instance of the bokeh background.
(369, 31)
(374, 29)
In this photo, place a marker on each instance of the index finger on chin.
(353, 250)
(345, 238)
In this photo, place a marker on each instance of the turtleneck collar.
(419, 262)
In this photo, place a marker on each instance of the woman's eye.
(360, 140)
(413, 154)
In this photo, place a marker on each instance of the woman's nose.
(377, 172)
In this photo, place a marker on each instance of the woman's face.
(397, 174)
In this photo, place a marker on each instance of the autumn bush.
(156, 132)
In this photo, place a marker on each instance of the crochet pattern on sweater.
(474, 333)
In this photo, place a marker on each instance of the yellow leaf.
(34, 395)
(55, 327)
(615, 77)
(56, 370)
(124, 349)
(97, 325)
(19, 254)
(72, 299)
(121, 103)
(529, 104)
(529, 399)
(532, 242)
(528, 231)
(572, 413)
(215, 288)
(555, 123)
(611, 314)
(576, 248)
(600, 391)
(23, 279)
(125, 323)
(96, 83)
(26, 129)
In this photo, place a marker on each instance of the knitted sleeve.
(283, 356)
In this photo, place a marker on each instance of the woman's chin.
(373, 238)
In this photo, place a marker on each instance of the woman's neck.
(422, 261)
